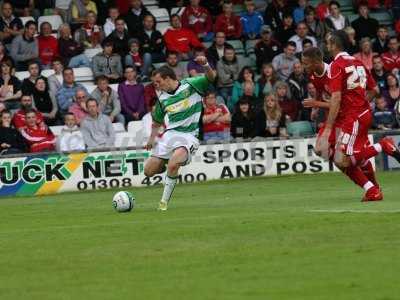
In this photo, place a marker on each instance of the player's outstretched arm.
(210, 73)
(312, 103)
(334, 107)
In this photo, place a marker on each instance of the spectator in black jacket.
(364, 25)
(120, 38)
(152, 40)
(298, 83)
(134, 18)
(380, 44)
(284, 32)
(379, 73)
(243, 120)
(11, 140)
(28, 84)
(267, 48)
(216, 50)
(274, 13)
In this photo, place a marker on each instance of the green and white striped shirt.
(181, 111)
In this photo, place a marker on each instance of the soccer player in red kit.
(318, 71)
(351, 115)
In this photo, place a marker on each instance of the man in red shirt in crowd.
(350, 114)
(391, 59)
(39, 138)
(180, 39)
(229, 23)
(19, 116)
(198, 19)
(216, 119)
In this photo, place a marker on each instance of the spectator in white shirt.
(70, 138)
(109, 25)
(301, 35)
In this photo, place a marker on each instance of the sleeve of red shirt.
(371, 83)
(194, 41)
(185, 18)
(387, 64)
(219, 25)
(335, 78)
(238, 27)
(169, 43)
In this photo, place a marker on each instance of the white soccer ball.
(123, 201)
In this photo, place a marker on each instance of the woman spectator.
(90, 35)
(335, 20)
(228, 69)
(289, 106)
(141, 61)
(10, 86)
(216, 119)
(366, 54)
(3, 53)
(39, 138)
(48, 46)
(392, 94)
(270, 122)
(243, 120)
(11, 140)
(44, 102)
(152, 40)
(70, 50)
(267, 80)
(353, 45)
(246, 75)
(384, 118)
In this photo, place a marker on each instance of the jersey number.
(357, 78)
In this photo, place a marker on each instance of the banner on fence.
(393, 163)
(57, 173)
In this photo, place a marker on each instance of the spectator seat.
(56, 130)
(177, 10)
(26, 19)
(83, 74)
(163, 27)
(48, 72)
(299, 128)
(91, 52)
(22, 75)
(161, 14)
(54, 20)
(118, 127)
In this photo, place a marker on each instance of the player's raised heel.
(163, 206)
(389, 147)
(373, 194)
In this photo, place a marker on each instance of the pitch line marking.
(341, 211)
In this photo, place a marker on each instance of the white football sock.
(368, 185)
(169, 185)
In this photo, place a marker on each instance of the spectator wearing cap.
(107, 63)
(283, 63)
(198, 19)
(152, 40)
(364, 25)
(193, 67)
(70, 50)
(173, 62)
(301, 35)
(141, 61)
(10, 25)
(335, 20)
(286, 30)
(180, 39)
(131, 95)
(228, 22)
(267, 48)
(216, 51)
(251, 20)
(24, 47)
(243, 120)
(134, 17)
(119, 37)
(90, 35)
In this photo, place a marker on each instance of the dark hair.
(101, 78)
(29, 111)
(229, 47)
(154, 20)
(174, 16)
(376, 56)
(29, 23)
(340, 39)
(334, 3)
(241, 74)
(199, 49)
(107, 43)
(172, 53)
(210, 92)
(41, 78)
(44, 24)
(6, 111)
(290, 43)
(362, 3)
(68, 69)
(394, 76)
(68, 114)
(26, 95)
(119, 18)
(393, 37)
(245, 100)
(313, 53)
(287, 14)
(92, 100)
(306, 41)
(308, 10)
(58, 59)
(130, 67)
(165, 72)
(33, 62)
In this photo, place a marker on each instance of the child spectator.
(180, 39)
(19, 116)
(107, 63)
(39, 138)
(175, 64)
(131, 95)
(28, 84)
(141, 61)
(267, 80)
(109, 25)
(216, 120)
(70, 138)
(90, 35)
(243, 120)
(246, 76)
(45, 102)
(10, 86)
(48, 45)
(270, 122)
(228, 23)
(70, 50)
(108, 100)
(198, 19)
(11, 140)
(152, 40)
(384, 118)
(289, 106)
(78, 107)
(24, 47)
(193, 67)
(251, 20)
(228, 69)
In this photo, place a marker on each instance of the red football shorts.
(353, 136)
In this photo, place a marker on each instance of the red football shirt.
(350, 77)
(321, 82)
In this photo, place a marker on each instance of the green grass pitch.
(296, 237)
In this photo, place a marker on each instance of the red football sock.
(369, 172)
(366, 153)
(358, 177)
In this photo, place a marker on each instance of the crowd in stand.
(248, 100)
